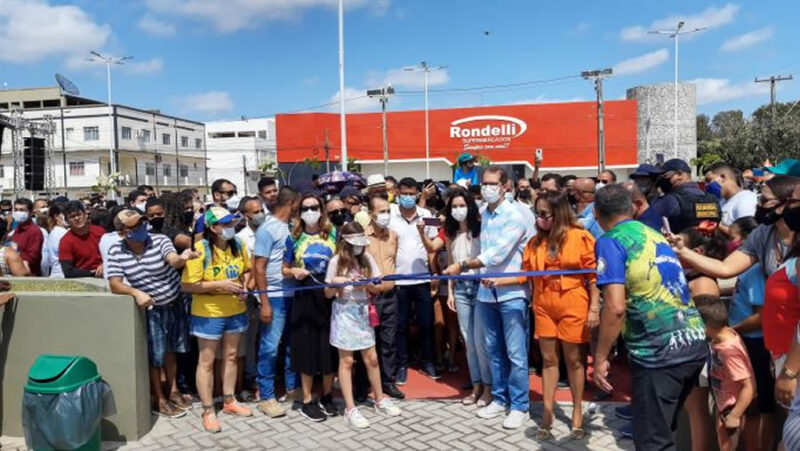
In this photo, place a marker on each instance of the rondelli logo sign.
(501, 127)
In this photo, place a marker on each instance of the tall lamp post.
(676, 34)
(383, 95)
(342, 118)
(423, 67)
(108, 61)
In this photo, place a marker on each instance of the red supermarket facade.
(566, 132)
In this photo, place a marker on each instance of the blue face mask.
(408, 201)
(715, 189)
(138, 234)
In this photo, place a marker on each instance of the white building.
(151, 148)
(237, 149)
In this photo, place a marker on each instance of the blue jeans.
(420, 296)
(506, 329)
(271, 335)
(472, 331)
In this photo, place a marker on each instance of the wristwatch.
(787, 373)
(464, 265)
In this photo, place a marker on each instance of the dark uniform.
(686, 206)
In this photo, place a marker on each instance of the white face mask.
(310, 217)
(383, 220)
(141, 206)
(233, 202)
(459, 213)
(598, 186)
(490, 193)
(20, 216)
(358, 250)
(228, 233)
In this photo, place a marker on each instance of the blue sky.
(214, 59)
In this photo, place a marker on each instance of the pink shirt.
(729, 366)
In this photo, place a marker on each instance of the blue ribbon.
(423, 276)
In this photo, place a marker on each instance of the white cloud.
(155, 26)
(544, 99)
(150, 66)
(208, 103)
(641, 63)
(748, 39)
(710, 18)
(234, 15)
(580, 29)
(714, 90)
(355, 100)
(31, 30)
(408, 79)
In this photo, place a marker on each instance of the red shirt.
(781, 311)
(29, 239)
(82, 251)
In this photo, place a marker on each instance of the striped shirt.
(148, 272)
(504, 235)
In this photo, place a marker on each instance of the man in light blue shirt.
(276, 305)
(582, 196)
(466, 170)
(502, 302)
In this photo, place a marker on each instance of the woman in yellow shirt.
(217, 281)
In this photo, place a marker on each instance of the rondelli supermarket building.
(637, 130)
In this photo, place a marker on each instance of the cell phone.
(665, 225)
(432, 222)
(539, 155)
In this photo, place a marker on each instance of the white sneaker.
(387, 407)
(515, 419)
(354, 417)
(492, 410)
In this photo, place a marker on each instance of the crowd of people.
(260, 299)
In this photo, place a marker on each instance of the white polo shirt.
(412, 257)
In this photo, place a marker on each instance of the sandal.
(180, 401)
(469, 399)
(544, 434)
(577, 434)
(168, 410)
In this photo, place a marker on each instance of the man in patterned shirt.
(644, 287)
(503, 303)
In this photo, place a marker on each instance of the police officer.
(684, 204)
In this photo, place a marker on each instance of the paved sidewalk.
(437, 425)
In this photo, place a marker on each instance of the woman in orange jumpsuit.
(565, 307)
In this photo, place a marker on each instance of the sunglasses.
(305, 209)
(340, 211)
(229, 193)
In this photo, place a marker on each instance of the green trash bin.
(63, 404)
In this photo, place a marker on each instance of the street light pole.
(342, 119)
(383, 95)
(423, 67)
(598, 75)
(676, 35)
(108, 61)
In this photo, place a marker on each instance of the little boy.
(730, 373)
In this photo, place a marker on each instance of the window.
(247, 134)
(198, 143)
(91, 133)
(145, 135)
(195, 166)
(2, 171)
(222, 135)
(150, 169)
(165, 139)
(69, 132)
(262, 134)
(126, 133)
(167, 170)
(184, 170)
(76, 168)
(184, 141)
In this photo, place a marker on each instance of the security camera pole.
(383, 95)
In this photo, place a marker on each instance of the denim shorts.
(215, 328)
(167, 331)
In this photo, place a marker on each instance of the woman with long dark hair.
(217, 279)
(308, 252)
(179, 218)
(462, 230)
(565, 307)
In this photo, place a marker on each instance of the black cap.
(676, 164)
(646, 170)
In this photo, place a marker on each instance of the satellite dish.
(66, 85)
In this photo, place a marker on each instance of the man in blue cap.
(466, 170)
(684, 204)
(789, 166)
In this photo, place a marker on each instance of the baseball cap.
(789, 166)
(464, 157)
(646, 170)
(218, 215)
(375, 180)
(675, 164)
(127, 218)
(349, 191)
(356, 239)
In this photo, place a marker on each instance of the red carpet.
(449, 386)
